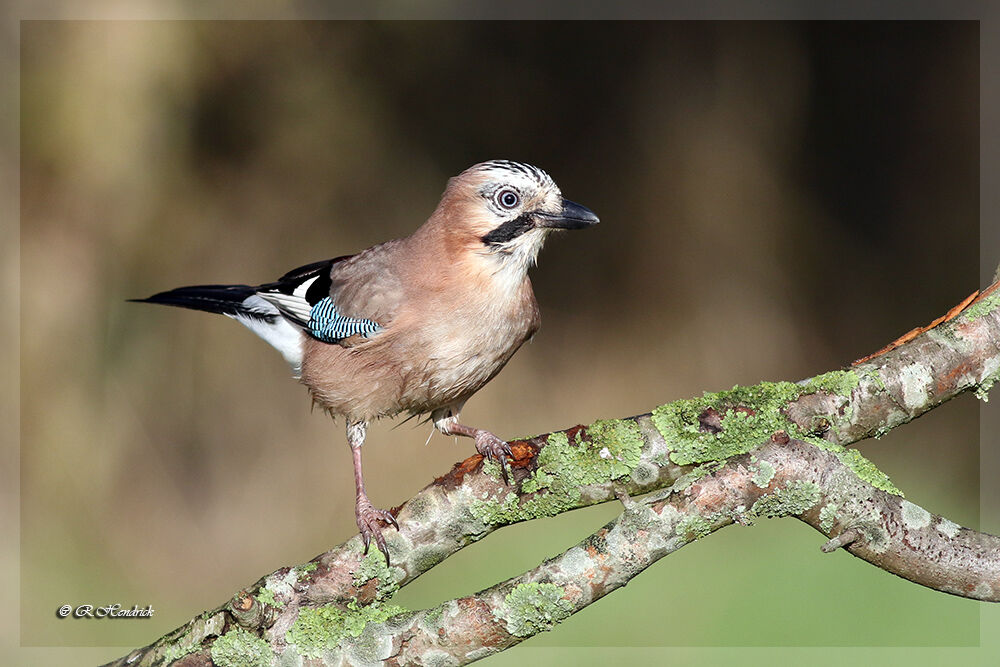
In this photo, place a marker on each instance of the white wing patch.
(294, 304)
(301, 290)
(281, 334)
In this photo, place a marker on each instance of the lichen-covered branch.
(340, 597)
(778, 479)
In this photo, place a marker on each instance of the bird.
(414, 325)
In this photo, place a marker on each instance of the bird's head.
(506, 209)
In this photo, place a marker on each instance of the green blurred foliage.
(777, 199)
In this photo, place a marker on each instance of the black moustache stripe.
(509, 230)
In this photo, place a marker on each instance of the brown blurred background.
(777, 199)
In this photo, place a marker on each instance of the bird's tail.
(246, 306)
(229, 300)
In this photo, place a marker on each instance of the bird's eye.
(507, 198)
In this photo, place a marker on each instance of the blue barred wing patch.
(328, 325)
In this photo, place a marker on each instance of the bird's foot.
(492, 447)
(370, 523)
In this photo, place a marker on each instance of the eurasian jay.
(417, 324)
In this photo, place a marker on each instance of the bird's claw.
(490, 446)
(370, 520)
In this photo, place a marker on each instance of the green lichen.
(866, 470)
(876, 377)
(748, 417)
(266, 596)
(794, 498)
(764, 474)
(841, 383)
(618, 443)
(693, 527)
(705, 431)
(209, 623)
(532, 608)
(982, 390)
(321, 629)
(862, 467)
(742, 430)
(373, 566)
(610, 450)
(304, 570)
(492, 512)
(175, 652)
(827, 516)
(692, 476)
(432, 617)
(982, 307)
(492, 469)
(239, 648)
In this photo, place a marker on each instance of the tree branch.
(807, 482)
(773, 449)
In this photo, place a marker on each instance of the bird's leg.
(370, 519)
(487, 444)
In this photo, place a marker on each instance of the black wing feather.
(228, 299)
(287, 283)
(225, 299)
(319, 288)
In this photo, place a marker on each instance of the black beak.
(572, 216)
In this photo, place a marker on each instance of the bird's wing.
(298, 291)
(339, 298)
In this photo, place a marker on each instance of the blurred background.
(777, 199)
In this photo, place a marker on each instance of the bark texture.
(774, 449)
